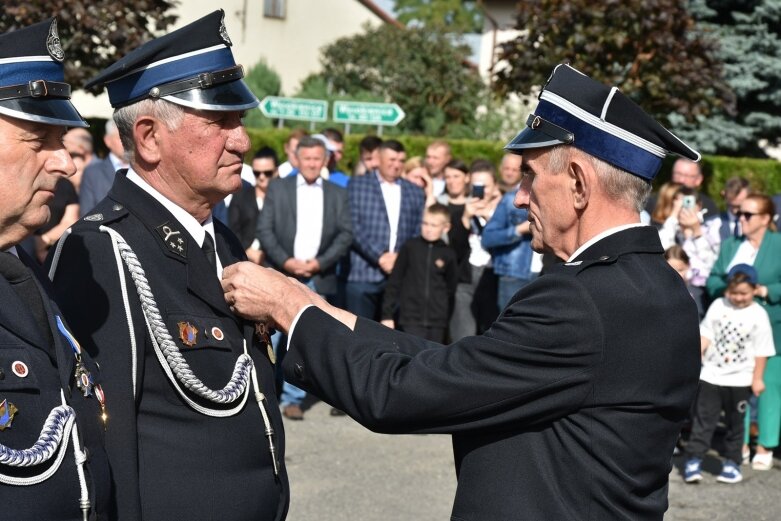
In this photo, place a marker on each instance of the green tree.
(417, 68)
(445, 15)
(93, 33)
(648, 48)
(749, 34)
(263, 81)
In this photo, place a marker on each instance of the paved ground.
(340, 471)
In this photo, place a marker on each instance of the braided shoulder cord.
(54, 435)
(169, 353)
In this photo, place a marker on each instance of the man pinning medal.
(569, 406)
(52, 405)
(195, 431)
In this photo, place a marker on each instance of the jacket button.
(298, 370)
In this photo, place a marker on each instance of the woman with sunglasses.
(759, 246)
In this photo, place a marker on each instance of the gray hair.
(125, 117)
(619, 185)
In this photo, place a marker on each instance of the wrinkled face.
(740, 295)
(433, 226)
(687, 173)
(456, 182)
(310, 162)
(510, 170)
(416, 176)
(203, 157)
(264, 170)
(548, 197)
(436, 159)
(32, 160)
(391, 164)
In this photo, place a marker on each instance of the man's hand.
(387, 260)
(266, 295)
(296, 267)
(312, 267)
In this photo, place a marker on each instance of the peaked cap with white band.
(599, 120)
(32, 77)
(192, 66)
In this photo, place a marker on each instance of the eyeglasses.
(746, 215)
(267, 173)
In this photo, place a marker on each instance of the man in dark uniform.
(139, 279)
(52, 463)
(569, 406)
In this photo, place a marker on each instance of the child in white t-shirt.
(736, 339)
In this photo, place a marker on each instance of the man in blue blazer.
(99, 174)
(386, 211)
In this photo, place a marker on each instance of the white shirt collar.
(600, 236)
(383, 181)
(190, 223)
(300, 181)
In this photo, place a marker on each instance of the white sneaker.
(762, 461)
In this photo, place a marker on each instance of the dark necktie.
(209, 251)
(21, 280)
(736, 229)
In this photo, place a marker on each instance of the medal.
(188, 333)
(7, 412)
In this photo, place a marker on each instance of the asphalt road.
(340, 471)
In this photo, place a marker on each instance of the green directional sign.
(366, 113)
(294, 108)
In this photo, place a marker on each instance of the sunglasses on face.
(746, 215)
(267, 173)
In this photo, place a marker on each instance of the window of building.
(274, 8)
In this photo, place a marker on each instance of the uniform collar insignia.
(173, 239)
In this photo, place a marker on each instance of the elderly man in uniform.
(569, 406)
(52, 463)
(139, 278)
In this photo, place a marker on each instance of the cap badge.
(7, 412)
(536, 122)
(224, 31)
(188, 333)
(53, 43)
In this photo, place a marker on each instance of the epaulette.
(107, 211)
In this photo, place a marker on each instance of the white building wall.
(291, 46)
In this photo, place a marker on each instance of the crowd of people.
(185, 261)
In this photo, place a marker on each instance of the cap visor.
(228, 96)
(49, 111)
(530, 138)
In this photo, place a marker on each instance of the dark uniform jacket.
(34, 390)
(169, 461)
(567, 408)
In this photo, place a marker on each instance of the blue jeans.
(509, 286)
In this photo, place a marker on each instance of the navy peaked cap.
(598, 119)
(32, 77)
(192, 66)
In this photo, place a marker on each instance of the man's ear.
(582, 179)
(146, 133)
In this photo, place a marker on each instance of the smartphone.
(478, 191)
(689, 202)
